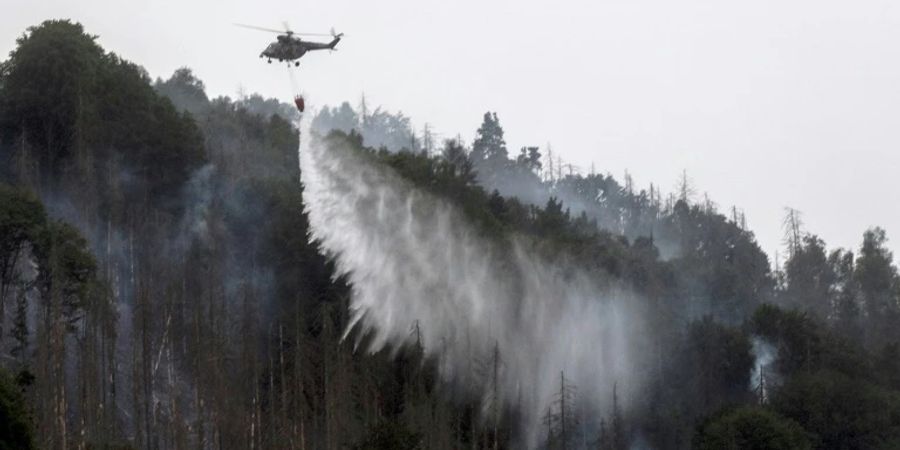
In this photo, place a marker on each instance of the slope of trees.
(204, 318)
(51, 279)
(378, 127)
(751, 428)
(710, 300)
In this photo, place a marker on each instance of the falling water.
(414, 259)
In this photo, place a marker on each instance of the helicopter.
(288, 48)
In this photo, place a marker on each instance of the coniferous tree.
(561, 418)
(878, 285)
(455, 155)
(489, 144)
(846, 309)
(809, 277)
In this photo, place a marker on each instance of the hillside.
(158, 287)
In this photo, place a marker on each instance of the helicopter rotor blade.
(253, 27)
(287, 30)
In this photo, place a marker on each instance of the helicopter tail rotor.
(336, 37)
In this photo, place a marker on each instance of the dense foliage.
(750, 428)
(15, 426)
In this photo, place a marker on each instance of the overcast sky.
(766, 104)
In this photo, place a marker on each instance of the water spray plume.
(415, 260)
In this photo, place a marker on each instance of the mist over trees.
(712, 296)
(379, 128)
(158, 290)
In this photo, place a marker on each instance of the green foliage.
(53, 65)
(268, 107)
(845, 291)
(874, 267)
(342, 118)
(846, 315)
(185, 91)
(66, 265)
(456, 162)
(82, 109)
(530, 158)
(796, 335)
(21, 217)
(162, 146)
(750, 428)
(379, 128)
(833, 387)
(718, 262)
(489, 155)
(21, 213)
(719, 359)
(810, 277)
(15, 423)
(489, 143)
(842, 412)
(804, 344)
(244, 144)
(66, 269)
(879, 287)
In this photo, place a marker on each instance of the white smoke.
(413, 259)
(762, 376)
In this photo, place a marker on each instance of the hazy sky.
(766, 104)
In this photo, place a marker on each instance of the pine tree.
(793, 230)
(489, 144)
(879, 285)
(561, 418)
(685, 188)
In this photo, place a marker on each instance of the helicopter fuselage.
(289, 48)
(285, 50)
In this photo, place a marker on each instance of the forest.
(159, 290)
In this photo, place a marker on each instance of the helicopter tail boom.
(324, 45)
(334, 42)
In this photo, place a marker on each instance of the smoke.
(762, 377)
(415, 262)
